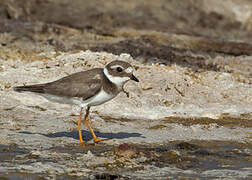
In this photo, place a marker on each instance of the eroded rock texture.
(188, 118)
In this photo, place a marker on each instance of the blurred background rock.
(190, 32)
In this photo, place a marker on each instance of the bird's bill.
(132, 77)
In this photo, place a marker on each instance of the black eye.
(119, 69)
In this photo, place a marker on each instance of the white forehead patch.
(116, 66)
(129, 70)
(114, 79)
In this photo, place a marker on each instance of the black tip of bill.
(134, 78)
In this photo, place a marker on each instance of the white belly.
(98, 99)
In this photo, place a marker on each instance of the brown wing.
(83, 84)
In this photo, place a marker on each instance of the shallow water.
(201, 158)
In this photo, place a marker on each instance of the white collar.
(115, 80)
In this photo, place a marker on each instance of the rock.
(88, 156)
(191, 108)
(125, 150)
(34, 154)
(141, 159)
(172, 154)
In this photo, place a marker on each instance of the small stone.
(37, 64)
(125, 150)
(1, 68)
(160, 126)
(124, 146)
(51, 64)
(7, 85)
(187, 146)
(168, 103)
(174, 153)
(88, 156)
(146, 86)
(141, 159)
(171, 156)
(41, 66)
(34, 154)
(127, 154)
(236, 151)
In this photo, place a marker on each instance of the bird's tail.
(38, 88)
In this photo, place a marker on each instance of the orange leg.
(89, 127)
(79, 128)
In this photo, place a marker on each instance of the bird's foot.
(81, 142)
(96, 140)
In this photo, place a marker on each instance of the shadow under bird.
(85, 89)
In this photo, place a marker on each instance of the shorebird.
(85, 89)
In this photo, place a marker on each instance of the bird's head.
(119, 72)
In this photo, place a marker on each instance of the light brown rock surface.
(169, 104)
(189, 116)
